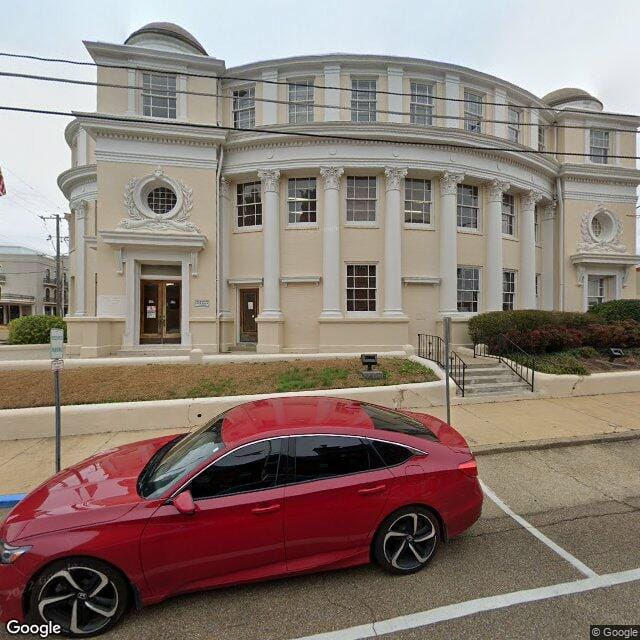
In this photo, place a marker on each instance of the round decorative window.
(603, 227)
(161, 200)
(596, 227)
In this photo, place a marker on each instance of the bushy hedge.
(617, 310)
(34, 329)
(485, 326)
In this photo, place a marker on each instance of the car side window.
(249, 468)
(391, 454)
(318, 457)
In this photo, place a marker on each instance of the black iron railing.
(432, 348)
(505, 350)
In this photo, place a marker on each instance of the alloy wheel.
(410, 540)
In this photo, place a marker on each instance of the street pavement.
(585, 499)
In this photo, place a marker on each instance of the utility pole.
(59, 279)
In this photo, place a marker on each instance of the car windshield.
(181, 457)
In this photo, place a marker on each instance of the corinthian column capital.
(549, 210)
(224, 187)
(449, 183)
(80, 209)
(496, 189)
(331, 177)
(270, 179)
(530, 199)
(393, 177)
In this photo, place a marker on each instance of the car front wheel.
(85, 597)
(407, 540)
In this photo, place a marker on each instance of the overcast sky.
(540, 45)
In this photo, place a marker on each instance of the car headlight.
(9, 554)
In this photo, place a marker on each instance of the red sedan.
(270, 488)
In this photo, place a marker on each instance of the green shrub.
(615, 310)
(485, 326)
(34, 329)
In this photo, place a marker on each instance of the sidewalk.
(26, 463)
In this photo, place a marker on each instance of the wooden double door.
(160, 311)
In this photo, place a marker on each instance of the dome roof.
(569, 94)
(167, 30)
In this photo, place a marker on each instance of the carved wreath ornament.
(601, 232)
(142, 216)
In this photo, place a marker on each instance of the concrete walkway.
(487, 427)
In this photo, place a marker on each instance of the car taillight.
(469, 468)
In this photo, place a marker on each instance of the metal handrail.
(525, 370)
(433, 348)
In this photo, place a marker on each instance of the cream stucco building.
(377, 195)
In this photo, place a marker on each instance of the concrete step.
(492, 371)
(500, 387)
(498, 392)
(157, 351)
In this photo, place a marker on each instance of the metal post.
(447, 357)
(56, 387)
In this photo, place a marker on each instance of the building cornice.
(599, 173)
(75, 177)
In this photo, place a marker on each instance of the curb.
(10, 500)
(554, 443)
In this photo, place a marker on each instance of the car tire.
(85, 597)
(407, 540)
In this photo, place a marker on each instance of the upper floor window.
(361, 198)
(599, 146)
(421, 107)
(508, 290)
(249, 204)
(468, 206)
(301, 200)
(363, 100)
(468, 288)
(473, 111)
(361, 287)
(417, 201)
(301, 101)
(542, 134)
(159, 95)
(508, 215)
(536, 225)
(514, 124)
(244, 107)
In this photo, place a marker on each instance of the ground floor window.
(508, 290)
(596, 289)
(468, 288)
(538, 289)
(361, 287)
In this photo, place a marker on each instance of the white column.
(131, 336)
(548, 256)
(332, 96)
(271, 242)
(331, 242)
(500, 113)
(81, 152)
(453, 106)
(225, 246)
(528, 250)
(448, 242)
(185, 329)
(269, 92)
(80, 215)
(394, 101)
(393, 242)
(493, 245)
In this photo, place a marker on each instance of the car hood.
(97, 490)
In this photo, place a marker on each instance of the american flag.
(3, 189)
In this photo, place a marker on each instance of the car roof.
(276, 415)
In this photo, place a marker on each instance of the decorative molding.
(248, 280)
(393, 177)
(496, 189)
(287, 280)
(530, 199)
(549, 210)
(142, 218)
(270, 179)
(331, 177)
(449, 183)
(421, 280)
(80, 209)
(158, 240)
(225, 188)
(609, 240)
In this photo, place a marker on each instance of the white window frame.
(375, 265)
(239, 109)
(301, 109)
(427, 205)
(249, 228)
(542, 137)
(361, 223)
(475, 193)
(514, 117)
(601, 295)
(477, 291)
(292, 199)
(509, 215)
(538, 285)
(473, 112)
(168, 94)
(421, 105)
(537, 229)
(361, 107)
(509, 304)
(602, 153)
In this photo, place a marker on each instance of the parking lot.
(536, 565)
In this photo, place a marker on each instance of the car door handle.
(272, 508)
(368, 491)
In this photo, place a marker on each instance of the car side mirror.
(184, 503)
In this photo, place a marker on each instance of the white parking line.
(470, 607)
(580, 566)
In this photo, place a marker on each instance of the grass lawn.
(90, 385)
(584, 361)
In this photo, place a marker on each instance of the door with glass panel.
(160, 312)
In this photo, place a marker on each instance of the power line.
(192, 74)
(302, 134)
(28, 76)
(31, 187)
